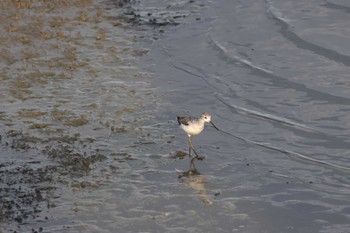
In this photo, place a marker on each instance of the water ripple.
(281, 81)
(288, 33)
(332, 5)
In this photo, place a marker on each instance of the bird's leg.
(191, 147)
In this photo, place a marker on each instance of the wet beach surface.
(72, 103)
(89, 98)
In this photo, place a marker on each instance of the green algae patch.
(66, 139)
(21, 84)
(31, 113)
(38, 126)
(77, 122)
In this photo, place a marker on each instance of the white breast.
(193, 129)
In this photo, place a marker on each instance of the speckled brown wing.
(183, 120)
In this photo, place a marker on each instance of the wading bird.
(194, 126)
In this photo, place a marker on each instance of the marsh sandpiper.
(194, 126)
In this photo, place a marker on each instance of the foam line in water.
(290, 34)
(283, 82)
(237, 58)
(262, 115)
(335, 6)
(301, 156)
(276, 14)
(289, 152)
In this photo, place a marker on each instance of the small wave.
(281, 81)
(276, 14)
(178, 67)
(287, 32)
(237, 58)
(301, 156)
(289, 152)
(335, 6)
(267, 116)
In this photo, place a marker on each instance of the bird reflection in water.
(193, 179)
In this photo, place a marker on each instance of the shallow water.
(274, 77)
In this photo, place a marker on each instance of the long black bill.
(213, 125)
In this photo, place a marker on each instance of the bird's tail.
(178, 119)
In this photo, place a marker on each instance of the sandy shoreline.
(67, 83)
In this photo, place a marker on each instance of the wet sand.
(67, 83)
(91, 91)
